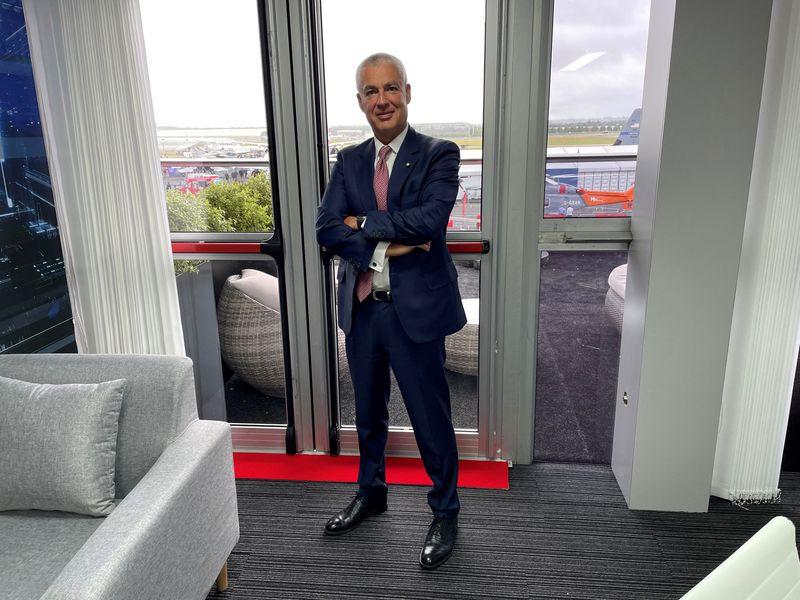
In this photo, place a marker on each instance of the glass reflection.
(35, 308)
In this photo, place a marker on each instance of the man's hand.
(401, 250)
(351, 222)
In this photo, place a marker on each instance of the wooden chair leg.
(222, 578)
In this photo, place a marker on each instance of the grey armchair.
(175, 521)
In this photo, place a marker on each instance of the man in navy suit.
(385, 213)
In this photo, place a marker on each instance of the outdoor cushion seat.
(249, 317)
(461, 348)
(251, 340)
(615, 296)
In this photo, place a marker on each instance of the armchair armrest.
(170, 536)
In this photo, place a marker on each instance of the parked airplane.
(563, 196)
(629, 136)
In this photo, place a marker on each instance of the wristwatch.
(360, 220)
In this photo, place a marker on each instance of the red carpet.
(314, 467)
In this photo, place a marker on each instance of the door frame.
(311, 119)
(516, 96)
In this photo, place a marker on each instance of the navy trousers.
(377, 342)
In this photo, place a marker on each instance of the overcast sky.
(205, 67)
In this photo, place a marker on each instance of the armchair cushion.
(59, 445)
(36, 547)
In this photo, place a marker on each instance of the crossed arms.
(405, 229)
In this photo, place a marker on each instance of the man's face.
(384, 100)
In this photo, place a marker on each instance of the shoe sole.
(437, 565)
(370, 513)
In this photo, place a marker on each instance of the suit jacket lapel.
(403, 165)
(365, 175)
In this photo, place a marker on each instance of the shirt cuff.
(378, 262)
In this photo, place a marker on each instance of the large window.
(446, 102)
(208, 96)
(596, 86)
(35, 310)
(206, 75)
(596, 83)
(447, 93)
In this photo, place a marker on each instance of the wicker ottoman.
(462, 346)
(250, 335)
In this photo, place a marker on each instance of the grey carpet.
(561, 531)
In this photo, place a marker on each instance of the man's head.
(383, 95)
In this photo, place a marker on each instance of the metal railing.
(574, 169)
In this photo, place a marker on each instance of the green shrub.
(223, 207)
(245, 206)
(186, 212)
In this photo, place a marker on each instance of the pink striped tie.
(380, 182)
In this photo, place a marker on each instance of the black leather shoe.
(350, 518)
(439, 543)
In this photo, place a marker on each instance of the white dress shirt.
(380, 262)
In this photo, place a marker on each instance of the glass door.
(215, 129)
(448, 103)
(593, 133)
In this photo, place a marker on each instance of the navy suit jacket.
(422, 192)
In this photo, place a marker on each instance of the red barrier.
(216, 248)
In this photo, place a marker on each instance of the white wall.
(705, 64)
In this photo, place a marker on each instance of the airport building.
(625, 393)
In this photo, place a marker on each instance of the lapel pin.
(408, 165)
